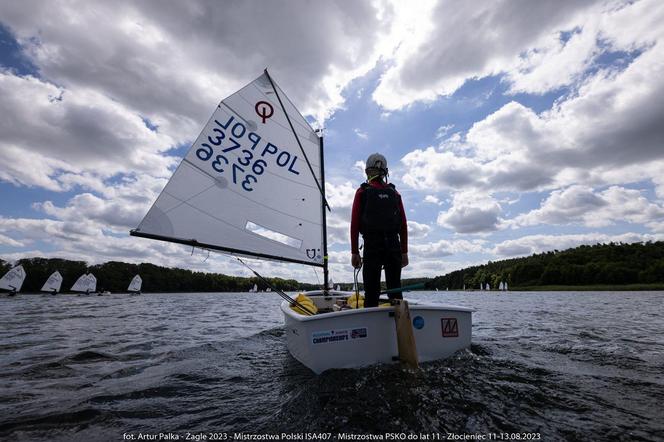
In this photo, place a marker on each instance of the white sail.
(135, 284)
(245, 186)
(86, 283)
(54, 282)
(13, 279)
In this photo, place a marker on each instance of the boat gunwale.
(414, 305)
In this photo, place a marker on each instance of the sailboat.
(53, 283)
(86, 283)
(12, 281)
(254, 289)
(253, 184)
(135, 285)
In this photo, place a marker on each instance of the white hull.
(356, 338)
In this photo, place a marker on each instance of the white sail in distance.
(135, 284)
(13, 279)
(86, 283)
(54, 282)
(246, 186)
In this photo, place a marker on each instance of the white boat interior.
(337, 337)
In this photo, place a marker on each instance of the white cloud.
(580, 204)
(429, 169)
(439, 59)
(418, 230)
(5, 240)
(361, 134)
(528, 245)
(442, 131)
(471, 212)
(169, 65)
(135, 52)
(444, 248)
(83, 131)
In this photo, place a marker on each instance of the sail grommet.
(221, 182)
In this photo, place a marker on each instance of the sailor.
(379, 215)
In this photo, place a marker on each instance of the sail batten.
(246, 186)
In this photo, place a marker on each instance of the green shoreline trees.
(115, 277)
(613, 264)
(607, 265)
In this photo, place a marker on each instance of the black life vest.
(381, 211)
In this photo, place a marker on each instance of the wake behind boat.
(253, 184)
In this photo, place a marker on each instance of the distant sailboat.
(87, 284)
(53, 283)
(13, 280)
(135, 285)
(337, 288)
(254, 289)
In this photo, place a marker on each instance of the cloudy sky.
(510, 127)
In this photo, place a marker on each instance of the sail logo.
(264, 110)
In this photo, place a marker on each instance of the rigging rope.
(320, 188)
(279, 292)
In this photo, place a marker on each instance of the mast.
(326, 275)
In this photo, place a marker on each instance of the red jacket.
(356, 216)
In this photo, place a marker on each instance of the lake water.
(543, 366)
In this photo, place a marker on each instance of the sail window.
(274, 236)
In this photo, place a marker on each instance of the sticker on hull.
(332, 336)
(450, 327)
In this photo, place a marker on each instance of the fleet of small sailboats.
(13, 280)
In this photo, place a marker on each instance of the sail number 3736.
(242, 163)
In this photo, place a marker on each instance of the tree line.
(599, 264)
(115, 277)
